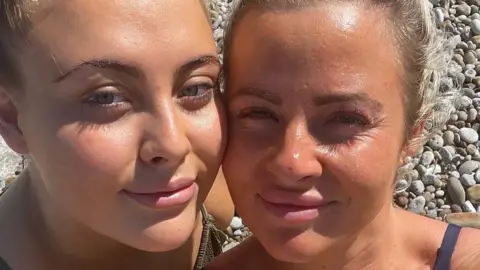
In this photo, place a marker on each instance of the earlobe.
(9, 128)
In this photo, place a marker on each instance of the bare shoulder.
(247, 255)
(467, 250)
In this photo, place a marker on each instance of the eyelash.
(253, 113)
(110, 107)
(194, 102)
(357, 116)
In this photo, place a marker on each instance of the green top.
(210, 244)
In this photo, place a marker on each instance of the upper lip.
(171, 186)
(310, 198)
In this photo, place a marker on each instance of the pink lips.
(179, 192)
(293, 207)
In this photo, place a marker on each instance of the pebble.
(417, 187)
(475, 24)
(477, 176)
(468, 135)
(448, 136)
(417, 205)
(463, 9)
(467, 180)
(429, 179)
(456, 208)
(464, 219)
(402, 201)
(468, 207)
(473, 194)
(436, 141)
(427, 158)
(236, 223)
(456, 191)
(468, 167)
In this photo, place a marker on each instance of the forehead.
(160, 30)
(334, 44)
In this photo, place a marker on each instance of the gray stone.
(465, 101)
(436, 141)
(463, 9)
(462, 116)
(432, 213)
(456, 191)
(417, 187)
(429, 179)
(468, 135)
(472, 115)
(401, 185)
(468, 167)
(470, 58)
(417, 205)
(445, 154)
(468, 207)
(427, 158)
(439, 193)
(467, 180)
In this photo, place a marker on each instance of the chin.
(302, 248)
(153, 233)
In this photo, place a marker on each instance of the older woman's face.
(316, 114)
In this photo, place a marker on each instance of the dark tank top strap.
(445, 252)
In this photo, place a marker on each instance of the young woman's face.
(121, 116)
(316, 125)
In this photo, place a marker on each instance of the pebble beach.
(442, 181)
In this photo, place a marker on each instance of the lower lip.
(293, 213)
(162, 200)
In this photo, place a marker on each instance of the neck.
(67, 242)
(369, 248)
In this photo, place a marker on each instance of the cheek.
(207, 135)
(86, 157)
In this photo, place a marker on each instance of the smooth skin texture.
(117, 97)
(219, 203)
(316, 114)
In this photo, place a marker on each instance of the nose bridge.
(166, 138)
(296, 153)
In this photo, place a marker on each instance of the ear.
(9, 128)
(412, 146)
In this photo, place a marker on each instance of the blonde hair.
(423, 54)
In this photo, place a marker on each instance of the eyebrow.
(320, 100)
(259, 93)
(131, 70)
(196, 63)
(350, 97)
(102, 63)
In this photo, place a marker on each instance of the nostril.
(157, 160)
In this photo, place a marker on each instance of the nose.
(166, 141)
(295, 157)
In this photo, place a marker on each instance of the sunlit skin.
(119, 99)
(316, 133)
